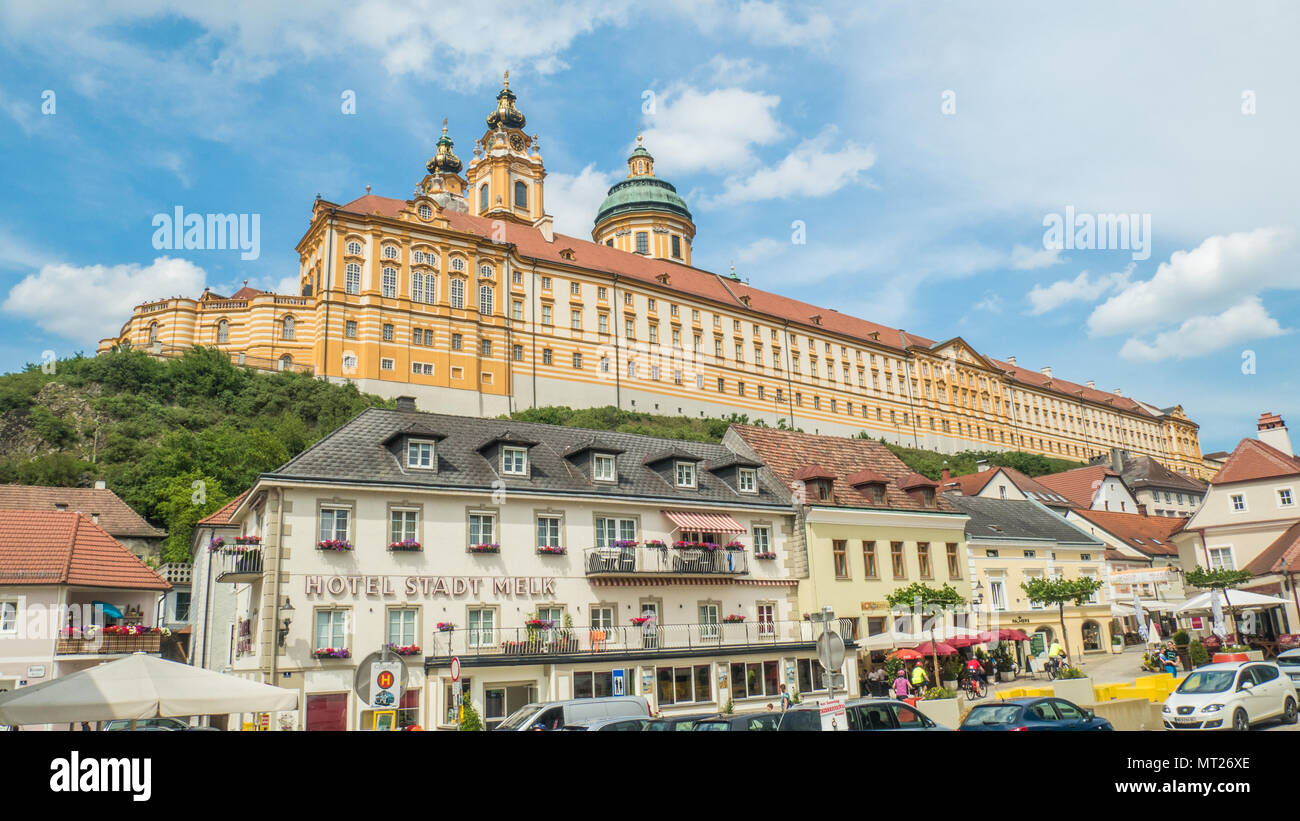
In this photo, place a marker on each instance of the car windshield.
(712, 726)
(801, 720)
(1207, 681)
(992, 714)
(519, 717)
(1289, 661)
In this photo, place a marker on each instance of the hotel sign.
(429, 586)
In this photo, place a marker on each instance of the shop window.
(755, 679)
(684, 685)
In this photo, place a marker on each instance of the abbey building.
(465, 297)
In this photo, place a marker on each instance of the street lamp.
(286, 618)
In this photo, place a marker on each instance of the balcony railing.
(243, 566)
(669, 560)
(569, 641)
(107, 643)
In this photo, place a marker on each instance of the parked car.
(1289, 662)
(741, 723)
(149, 724)
(677, 723)
(606, 725)
(1231, 695)
(556, 715)
(1033, 714)
(862, 714)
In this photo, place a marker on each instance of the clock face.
(516, 142)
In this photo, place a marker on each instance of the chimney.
(1142, 509)
(406, 404)
(1046, 371)
(100, 484)
(1011, 360)
(1118, 392)
(1117, 460)
(945, 474)
(1272, 432)
(1092, 385)
(546, 226)
(982, 465)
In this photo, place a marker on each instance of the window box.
(656, 544)
(332, 653)
(696, 546)
(445, 627)
(485, 548)
(625, 543)
(406, 545)
(334, 544)
(409, 650)
(764, 555)
(551, 550)
(641, 621)
(248, 540)
(735, 546)
(734, 618)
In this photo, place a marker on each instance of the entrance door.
(502, 700)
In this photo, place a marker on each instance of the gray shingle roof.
(365, 451)
(1017, 519)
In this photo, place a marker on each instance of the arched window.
(486, 271)
(223, 331)
(458, 293)
(354, 248)
(483, 198)
(390, 282)
(417, 286)
(521, 195)
(425, 211)
(390, 252)
(457, 264)
(430, 288)
(286, 328)
(354, 278)
(485, 299)
(286, 362)
(153, 332)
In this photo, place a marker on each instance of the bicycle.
(970, 684)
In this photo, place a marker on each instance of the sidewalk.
(1101, 668)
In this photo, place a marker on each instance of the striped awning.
(704, 522)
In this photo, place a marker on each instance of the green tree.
(1222, 579)
(184, 500)
(471, 721)
(928, 601)
(1059, 592)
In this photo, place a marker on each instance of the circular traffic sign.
(830, 650)
(455, 668)
(385, 680)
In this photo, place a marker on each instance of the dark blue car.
(1016, 714)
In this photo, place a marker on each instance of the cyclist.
(1055, 658)
(974, 671)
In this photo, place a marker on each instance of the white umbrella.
(1237, 599)
(140, 686)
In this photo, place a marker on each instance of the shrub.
(1181, 638)
(1071, 672)
(471, 722)
(1198, 653)
(940, 692)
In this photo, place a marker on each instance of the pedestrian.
(770, 708)
(786, 700)
(900, 684)
(1170, 659)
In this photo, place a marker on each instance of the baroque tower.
(505, 176)
(644, 214)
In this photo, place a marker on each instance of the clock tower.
(505, 176)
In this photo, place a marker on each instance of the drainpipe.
(275, 586)
(618, 359)
(207, 604)
(533, 332)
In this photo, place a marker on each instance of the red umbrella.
(908, 655)
(963, 641)
(940, 648)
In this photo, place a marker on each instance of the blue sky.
(922, 146)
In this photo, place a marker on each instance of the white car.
(1289, 661)
(1231, 696)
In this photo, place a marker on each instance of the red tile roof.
(1252, 459)
(594, 256)
(1080, 485)
(222, 516)
(972, 484)
(1282, 556)
(115, 515)
(1146, 534)
(785, 452)
(57, 547)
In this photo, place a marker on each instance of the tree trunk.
(934, 654)
(1065, 637)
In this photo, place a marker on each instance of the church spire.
(505, 115)
(444, 160)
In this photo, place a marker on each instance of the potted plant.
(733, 618)
(551, 550)
(1072, 684)
(216, 544)
(768, 555)
(338, 545)
(486, 547)
(951, 671)
(735, 545)
(944, 705)
(1199, 655)
(639, 621)
(332, 653)
(409, 545)
(1181, 639)
(445, 627)
(657, 544)
(1006, 665)
(404, 650)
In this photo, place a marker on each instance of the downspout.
(329, 271)
(207, 605)
(275, 604)
(618, 359)
(789, 383)
(533, 332)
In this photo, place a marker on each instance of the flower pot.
(950, 683)
(1002, 676)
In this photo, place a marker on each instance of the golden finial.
(444, 125)
(638, 135)
(507, 79)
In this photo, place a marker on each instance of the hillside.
(175, 439)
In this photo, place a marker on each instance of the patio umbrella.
(941, 648)
(907, 655)
(963, 641)
(1013, 635)
(140, 686)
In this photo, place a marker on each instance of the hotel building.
(464, 295)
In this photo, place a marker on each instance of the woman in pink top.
(900, 685)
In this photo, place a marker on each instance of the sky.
(930, 166)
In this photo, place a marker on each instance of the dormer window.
(602, 468)
(747, 480)
(514, 461)
(823, 489)
(419, 454)
(685, 474)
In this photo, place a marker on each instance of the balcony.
(633, 561)
(638, 640)
(99, 643)
(239, 566)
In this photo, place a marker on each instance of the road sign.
(455, 668)
(618, 683)
(833, 715)
(385, 683)
(455, 691)
(830, 650)
(367, 670)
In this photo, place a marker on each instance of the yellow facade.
(558, 331)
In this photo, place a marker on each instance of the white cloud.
(87, 303)
(1081, 288)
(16, 254)
(1221, 270)
(1205, 334)
(991, 303)
(1024, 258)
(574, 198)
(691, 130)
(764, 23)
(726, 72)
(812, 169)
(290, 285)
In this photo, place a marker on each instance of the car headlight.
(1166, 709)
(1211, 708)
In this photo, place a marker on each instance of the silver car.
(1289, 661)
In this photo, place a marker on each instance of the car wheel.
(1290, 714)
(1240, 721)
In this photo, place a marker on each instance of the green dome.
(642, 194)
